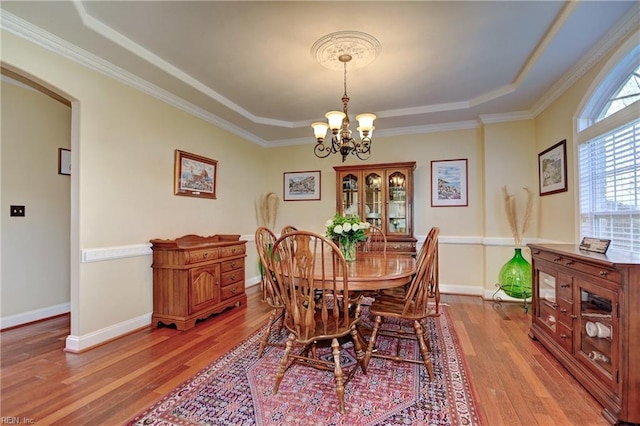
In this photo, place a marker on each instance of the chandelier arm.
(322, 151)
(363, 155)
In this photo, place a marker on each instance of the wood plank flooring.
(516, 381)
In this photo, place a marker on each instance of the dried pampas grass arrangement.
(267, 210)
(517, 229)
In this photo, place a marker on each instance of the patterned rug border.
(467, 394)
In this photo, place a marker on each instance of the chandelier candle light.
(345, 47)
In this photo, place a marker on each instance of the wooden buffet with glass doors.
(586, 313)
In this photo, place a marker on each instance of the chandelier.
(345, 46)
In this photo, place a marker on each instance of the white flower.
(365, 225)
(346, 227)
(338, 229)
(355, 227)
(329, 223)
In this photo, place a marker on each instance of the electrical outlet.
(17, 211)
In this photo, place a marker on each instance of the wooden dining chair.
(413, 308)
(376, 241)
(287, 229)
(314, 287)
(265, 239)
(434, 288)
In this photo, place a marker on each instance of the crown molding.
(505, 117)
(623, 29)
(44, 39)
(36, 35)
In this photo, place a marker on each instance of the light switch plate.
(17, 211)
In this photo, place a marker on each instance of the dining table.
(376, 271)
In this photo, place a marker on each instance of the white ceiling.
(247, 66)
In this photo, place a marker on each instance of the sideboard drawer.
(564, 284)
(232, 264)
(232, 276)
(232, 290)
(197, 256)
(232, 250)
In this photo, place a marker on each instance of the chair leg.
(424, 351)
(265, 339)
(357, 346)
(372, 342)
(335, 346)
(283, 362)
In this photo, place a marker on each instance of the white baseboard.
(35, 315)
(82, 343)
(461, 289)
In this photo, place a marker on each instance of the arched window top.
(627, 93)
(618, 87)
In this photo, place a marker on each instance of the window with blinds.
(609, 174)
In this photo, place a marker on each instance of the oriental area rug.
(237, 389)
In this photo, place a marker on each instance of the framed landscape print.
(552, 169)
(301, 186)
(194, 175)
(449, 183)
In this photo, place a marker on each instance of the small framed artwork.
(552, 169)
(301, 186)
(449, 183)
(194, 175)
(597, 245)
(64, 161)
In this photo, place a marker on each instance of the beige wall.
(35, 248)
(123, 144)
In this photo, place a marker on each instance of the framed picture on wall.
(301, 186)
(64, 161)
(194, 175)
(552, 169)
(449, 183)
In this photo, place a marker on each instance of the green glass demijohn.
(515, 277)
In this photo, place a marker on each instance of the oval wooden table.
(377, 271)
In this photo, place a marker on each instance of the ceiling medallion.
(362, 47)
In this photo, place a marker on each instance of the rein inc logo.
(15, 420)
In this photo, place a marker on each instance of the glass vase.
(348, 249)
(515, 277)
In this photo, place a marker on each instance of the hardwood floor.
(516, 381)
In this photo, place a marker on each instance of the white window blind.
(609, 168)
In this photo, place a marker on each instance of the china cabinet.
(586, 312)
(381, 194)
(195, 277)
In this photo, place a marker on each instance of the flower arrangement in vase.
(348, 231)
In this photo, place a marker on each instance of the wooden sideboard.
(586, 312)
(195, 277)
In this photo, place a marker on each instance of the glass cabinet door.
(350, 204)
(547, 312)
(397, 203)
(373, 198)
(598, 328)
